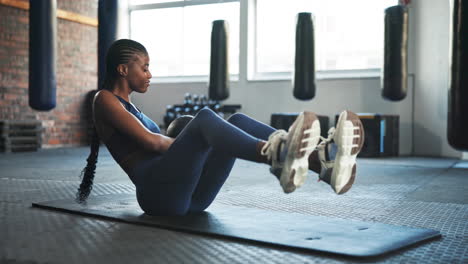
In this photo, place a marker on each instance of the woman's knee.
(237, 118)
(205, 118)
(205, 113)
(200, 119)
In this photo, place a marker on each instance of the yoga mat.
(293, 230)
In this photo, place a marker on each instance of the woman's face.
(138, 75)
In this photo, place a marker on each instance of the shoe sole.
(296, 165)
(344, 169)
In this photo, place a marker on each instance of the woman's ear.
(122, 69)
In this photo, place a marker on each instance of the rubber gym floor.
(408, 191)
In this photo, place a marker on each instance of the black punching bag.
(457, 121)
(219, 70)
(304, 60)
(107, 33)
(395, 68)
(42, 46)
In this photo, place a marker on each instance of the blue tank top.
(119, 144)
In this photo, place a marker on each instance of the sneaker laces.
(328, 139)
(270, 149)
(324, 162)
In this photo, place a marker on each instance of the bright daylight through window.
(178, 35)
(348, 34)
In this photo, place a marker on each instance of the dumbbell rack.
(223, 110)
(228, 109)
(192, 104)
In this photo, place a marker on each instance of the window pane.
(160, 31)
(178, 39)
(348, 34)
(198, 23)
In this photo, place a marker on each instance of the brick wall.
(76, 74)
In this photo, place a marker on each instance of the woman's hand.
(165, 143)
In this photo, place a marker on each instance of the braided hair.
(120, 52)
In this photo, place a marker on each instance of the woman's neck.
(121, 89)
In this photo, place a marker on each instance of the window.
(348, 34)
(177, 34)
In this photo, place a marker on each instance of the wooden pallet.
(16, 136)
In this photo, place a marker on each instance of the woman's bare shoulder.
(105, 101)
(104, 96)
(102, 101)
(106, 106)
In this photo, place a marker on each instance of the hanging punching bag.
(395, 68)
(304, 66)
(42, 46)
(219, 70)
(457, 121)
(107, 33)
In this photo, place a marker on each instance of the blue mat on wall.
(298, 231)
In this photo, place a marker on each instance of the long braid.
(87, 175)
(120, 52)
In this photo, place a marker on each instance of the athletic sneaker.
(289, 151)
(344, 143)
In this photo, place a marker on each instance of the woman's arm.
(108, 109)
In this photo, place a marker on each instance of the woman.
(182, 175)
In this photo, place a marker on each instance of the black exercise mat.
(317, 233)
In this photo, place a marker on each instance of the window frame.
(181, 3)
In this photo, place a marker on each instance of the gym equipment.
(457, 121)
(203, 100)
(395, 68)
(196, 104)
(192, 104)
(107, 33)
(176, 126)
(304, 70)
(382, 135)
(285, 229)
(169, 116)
(219, 63)
(42, 54)
(20, 135)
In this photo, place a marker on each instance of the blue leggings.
(190, 174)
